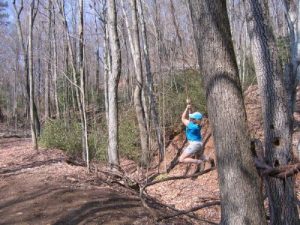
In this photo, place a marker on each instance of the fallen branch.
(174, 161)
(154, 201)
(281, 172)
(182, 212)
(15, 135)
(177, 178)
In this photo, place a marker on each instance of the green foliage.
(129, 145)
(98, 142)
(129, 141)
(58, 134)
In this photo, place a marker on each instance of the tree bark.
(48, 73)
(140, 111)
(33, 11)
(277, 114)
(149, 83)
(241, 202)
(113, 81)
(85, 146)
(25, 57)
(55, 66)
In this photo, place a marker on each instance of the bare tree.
(48, 74)
(139, 108)
(149, 82)
(114, 72)
(24, 48)
(55, 64)
(33, 12)
(241, 202)
(277, 114)
(85, 150)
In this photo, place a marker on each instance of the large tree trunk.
(113, 81)
(241, 201)
(140, 111)
(277, 114)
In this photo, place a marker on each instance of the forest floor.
(42, 187)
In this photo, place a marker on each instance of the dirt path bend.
(41, 188)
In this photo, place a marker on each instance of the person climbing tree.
(194, 137)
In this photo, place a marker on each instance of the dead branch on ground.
(183, 212)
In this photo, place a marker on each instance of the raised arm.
(184, 116)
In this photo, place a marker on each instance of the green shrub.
(57, 134)
(129, 141)
(98, 142)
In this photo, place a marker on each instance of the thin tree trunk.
(241, 202)
(48, 74)
(55, 66)
(33, 11)
(140, 111)
(97, 57)
(85, 147)
(17, 71)
(276, 112)
(25, 57)
(107, 68)
(73, 58)
(113, 81)
(152, 100)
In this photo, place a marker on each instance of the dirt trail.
(39, 188)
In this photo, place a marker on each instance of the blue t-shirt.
(193, 132)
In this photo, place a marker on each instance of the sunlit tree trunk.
(113, 81)
(85, 147)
